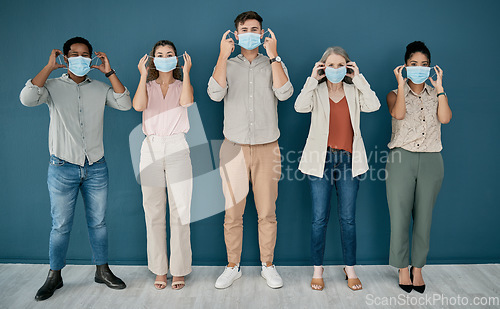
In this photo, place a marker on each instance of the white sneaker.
(227, 278)
(271, 275)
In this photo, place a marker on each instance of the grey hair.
(337, 50)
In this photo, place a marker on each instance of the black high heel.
(418, 288)
(405, 287)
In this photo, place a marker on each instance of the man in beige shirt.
(76, 105)
(251, 85)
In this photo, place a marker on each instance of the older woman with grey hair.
(334, 154)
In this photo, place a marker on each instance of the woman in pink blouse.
(163, 95)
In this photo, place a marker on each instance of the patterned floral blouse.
(420, 130)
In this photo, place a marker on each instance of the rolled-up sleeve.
(119, 101)
(368, 99)
(215, 91)
(284, 92)
(32, 95)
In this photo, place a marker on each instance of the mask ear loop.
(177, 66)
(264, 37)
(92, 59)
(62, 61)
(435, 73)
(234, 34)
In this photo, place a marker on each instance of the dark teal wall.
(462, 37)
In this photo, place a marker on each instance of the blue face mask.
(418, 75)
(249, 40)
(166, 64)
(79, 66)
(335, 75)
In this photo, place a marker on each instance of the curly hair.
(153, 72)
(75, 40)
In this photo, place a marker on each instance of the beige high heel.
(318, 281)
(352, 282)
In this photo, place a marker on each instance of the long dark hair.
(153, 72)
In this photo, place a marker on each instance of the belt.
(333, 149)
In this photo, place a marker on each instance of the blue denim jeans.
(338, 172)
(64, 180)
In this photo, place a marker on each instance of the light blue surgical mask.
(165, 64)
(250, 40)
(335, 75)
(80, 66)
(418, 74)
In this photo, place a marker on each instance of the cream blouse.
(420, 130)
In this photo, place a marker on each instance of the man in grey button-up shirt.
(76, 105)
(251, 85)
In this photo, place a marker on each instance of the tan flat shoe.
(352, 282)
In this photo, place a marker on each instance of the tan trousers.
(239, 165)
(165, 162)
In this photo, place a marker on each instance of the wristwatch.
(277, 59)
(110, 73)
(442, 93)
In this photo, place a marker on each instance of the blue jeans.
(64, 180)
(338, 172)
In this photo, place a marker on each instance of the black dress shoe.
(406, 287)
(104, 275)
(418, 288)
(52, 283)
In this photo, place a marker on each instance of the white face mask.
(250, 40)
(418, 74)
(165, 64)
(80, 66)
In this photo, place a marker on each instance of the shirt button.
(423, 133)
(422, 109)
(424, 120)
(418, 145)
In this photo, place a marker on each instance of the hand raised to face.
(187, 63)
(355, 70)
(315, 72)
(398, 72)
(438, 82)
(52, 64)
(271, 45)
(105, 66)
(226, 45)
(142, 65)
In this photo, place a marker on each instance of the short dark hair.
(243, 17)
(75, 40)
(417, 47)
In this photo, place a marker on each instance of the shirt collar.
(65, 77)
(427, 89)
(257, 59)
